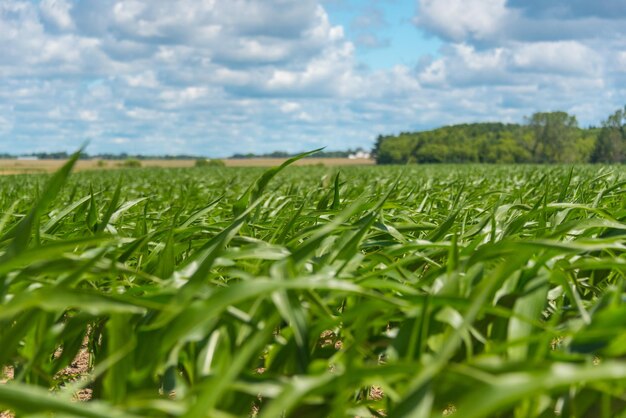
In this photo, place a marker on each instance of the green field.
(417, 291)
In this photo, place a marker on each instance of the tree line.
(285, 154)
(64, 155)
(544, 137)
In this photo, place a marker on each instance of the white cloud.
(331, 73)
(218, 77)
(525, 56)
(144, 79)
(563, 57)
(173, 98)
(57, 13)
(144, 114)
(514, 64)
(489, 60)
(5, 124)
(305, 117)
(621, 61)
(88, 115)
(289, 107)
(462, 19)
(434, 74)
(463, 65)
(494, 22)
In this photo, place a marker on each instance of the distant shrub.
(101, 163)
(130, 163)
(203, 162)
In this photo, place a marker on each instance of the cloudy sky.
(215, 77)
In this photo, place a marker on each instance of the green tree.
(507, 150)
(130, 163)
(203, 162)
(611, 144)
(546, 137)
(433, 153)
(395, 150)
(554, 133)
(377, 145)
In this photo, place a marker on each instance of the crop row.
(312, 292)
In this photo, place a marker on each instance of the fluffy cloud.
(531, 55)
(216, 77)
(562, 57)
(188, 76)
(462, 19)
(609, 9)
(57, 14)
(488, 22)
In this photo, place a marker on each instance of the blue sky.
(217, 77)
(383, 31)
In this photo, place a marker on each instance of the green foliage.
(547, 137)
(130, 163)
(554, 136)
(492, 291)
(203, 162)
(611, 144)
(471, 143)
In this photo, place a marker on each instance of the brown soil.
(77, 369)
(7, 374)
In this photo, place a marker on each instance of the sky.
(217, 77)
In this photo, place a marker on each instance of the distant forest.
(283, 154)
(63, 155)
(545, 137)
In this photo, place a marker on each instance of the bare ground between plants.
(78, 369)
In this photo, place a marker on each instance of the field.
(11, 166)
(419, 291)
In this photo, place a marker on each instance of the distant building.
(27, 158)
(360, 155)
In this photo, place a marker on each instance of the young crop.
(421, 291)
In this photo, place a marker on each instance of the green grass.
(475, 291)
